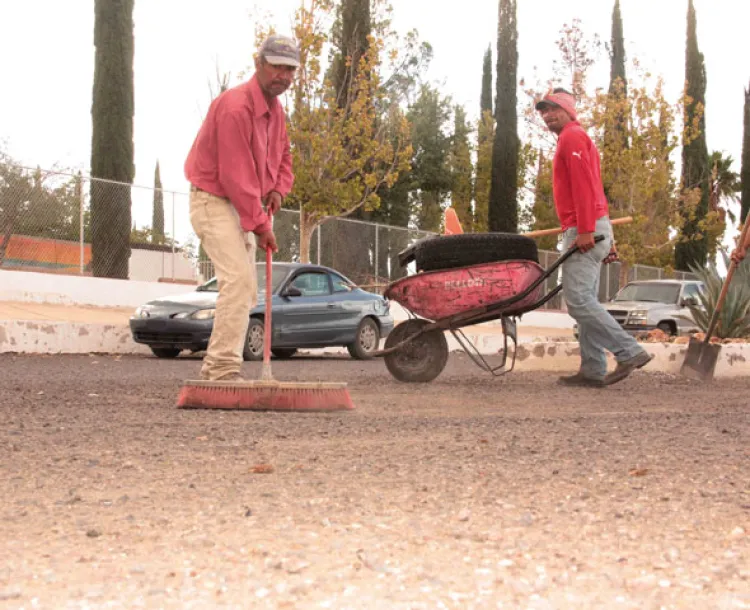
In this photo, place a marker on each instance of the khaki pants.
(232, 252)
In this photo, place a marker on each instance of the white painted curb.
(35, 337)
(41, 337)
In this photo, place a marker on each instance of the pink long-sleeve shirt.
(577, 181)
(242, 153)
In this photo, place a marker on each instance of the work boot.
(624, 368)
(581, 380)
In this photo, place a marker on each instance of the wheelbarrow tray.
(436, 295)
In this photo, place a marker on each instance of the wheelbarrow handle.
(556, 231)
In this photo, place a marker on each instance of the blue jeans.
(597, 330)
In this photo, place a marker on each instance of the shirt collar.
(260, 105)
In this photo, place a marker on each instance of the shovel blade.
(700, 360)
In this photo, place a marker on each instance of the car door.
(690, 293)
(308, 317)
(347, 307)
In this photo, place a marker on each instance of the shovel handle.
(557, 230)
(725, 288)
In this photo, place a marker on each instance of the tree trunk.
(9, 223)
(4, 244)
(306, 228)
(112, 112)
(503, 206)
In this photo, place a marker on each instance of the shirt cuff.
(262, 228)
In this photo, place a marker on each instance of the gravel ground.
(469, 492)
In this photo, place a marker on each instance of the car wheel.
(452, 251)
(253, 349)
(284, 353)
(367, 342)
(667, 327)
(166, 352)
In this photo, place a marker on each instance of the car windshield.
(651, 293)
(277, 276)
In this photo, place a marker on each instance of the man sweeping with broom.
(239, 163)
(240, 160)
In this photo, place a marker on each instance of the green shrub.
(734, 320)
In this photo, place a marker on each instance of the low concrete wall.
(81, 338)
(27, 337)
(734, 359)
(30, 287)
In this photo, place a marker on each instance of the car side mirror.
(687, 301)
(291, 291)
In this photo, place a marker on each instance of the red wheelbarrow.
(452, 299)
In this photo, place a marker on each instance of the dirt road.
(465, 493)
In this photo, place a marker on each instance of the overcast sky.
(48, 59)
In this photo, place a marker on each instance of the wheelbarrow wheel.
(420, 360)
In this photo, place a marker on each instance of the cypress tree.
(617, 52)
(461, 170)
(112, 137)
(693, 249)
(355, 27)
(503, 208)
(157, 222)
(486, 100)
(616, 125)
(485, 138)
(618, 82)
(745, 170)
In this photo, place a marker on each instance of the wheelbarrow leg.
(509, 331)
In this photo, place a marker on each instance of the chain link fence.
(56, 222)
(46, 225)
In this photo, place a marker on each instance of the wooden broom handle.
(544, 232)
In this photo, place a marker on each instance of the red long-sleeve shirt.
(242, 153)
(577, 181)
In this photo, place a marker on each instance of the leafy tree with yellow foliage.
(343, 150)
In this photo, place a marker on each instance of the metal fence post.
(377, 253)
(173, 235)
(81, 243)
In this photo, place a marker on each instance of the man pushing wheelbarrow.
(583, 212)
(470, 279)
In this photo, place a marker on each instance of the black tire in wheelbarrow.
(422, 359)
(452, 251)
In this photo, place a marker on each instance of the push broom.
(267, 394)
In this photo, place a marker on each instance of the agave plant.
(734, 319)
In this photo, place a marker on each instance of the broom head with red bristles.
(264, 396)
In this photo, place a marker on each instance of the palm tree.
(724, 185)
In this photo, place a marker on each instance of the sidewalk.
(18, 310)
